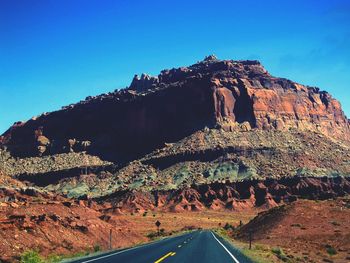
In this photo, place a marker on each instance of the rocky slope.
(210, 156)
(54, 225)
(58, 162)
(124, 125)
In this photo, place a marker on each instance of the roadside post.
(250, 239)
(158, 225)
(110, 239)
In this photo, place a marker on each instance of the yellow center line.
(170, 254)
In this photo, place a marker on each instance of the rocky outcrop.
(49, 164)
(143, 83)
(126, 124)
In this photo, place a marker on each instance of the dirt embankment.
(307, 231)
(55, 225)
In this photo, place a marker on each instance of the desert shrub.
(97, 248)
(54, 259)
(259, 247)
(144, 214)
(335, 223)
(31, 256)
(81, 253)
(188, 228)
(228, 226)
(277, 251)
(152, 235)
(280, 254)
(331, 250)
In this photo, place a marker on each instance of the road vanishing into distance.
(202, 246)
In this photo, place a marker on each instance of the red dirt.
(305, 229)
(54, 225)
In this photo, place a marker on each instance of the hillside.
(306, 230)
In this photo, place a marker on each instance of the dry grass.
(207, 219)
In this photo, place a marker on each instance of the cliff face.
(126, 124)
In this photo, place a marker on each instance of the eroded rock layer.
(231, 196)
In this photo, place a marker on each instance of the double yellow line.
(170, 254)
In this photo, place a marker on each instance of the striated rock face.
(230, 196)
(126, 124)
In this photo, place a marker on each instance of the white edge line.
(125, 250)
(232, 256)
(110, 255)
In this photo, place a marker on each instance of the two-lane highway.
(198, 246)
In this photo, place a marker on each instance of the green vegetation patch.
(229, 171)
(222, 171)
(182, 175)
(280, 254)
(77, 191)
(31, 256)
(331, 250)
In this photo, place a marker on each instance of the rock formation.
(230, 196)
(228, 94)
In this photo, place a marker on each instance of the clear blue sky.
(53, 53)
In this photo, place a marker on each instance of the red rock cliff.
(126, 124)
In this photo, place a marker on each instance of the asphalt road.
(198, 246)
